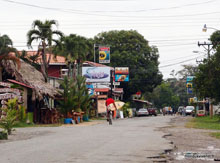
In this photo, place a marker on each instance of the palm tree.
(43, 32)
(75, 48)
(6, 50)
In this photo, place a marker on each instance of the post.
(111, 80)
(94, 51)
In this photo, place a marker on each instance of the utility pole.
(208, 49)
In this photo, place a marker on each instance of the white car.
(142, 111)
(189, 110)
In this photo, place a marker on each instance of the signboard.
(121, 74)
(96, 74)
(189, 85)
(189, 79)
(90, 88)
(121, 78)
(116, 83)
(101, 106)
(104, 54)
(122, 70)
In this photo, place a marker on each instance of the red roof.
(101, 89)
(59, 60)
(16, 82)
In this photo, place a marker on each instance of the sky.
(173, 26)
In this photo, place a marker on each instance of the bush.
(3, 135)
(11, 114)
(125, 109)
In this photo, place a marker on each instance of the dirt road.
(191, 145)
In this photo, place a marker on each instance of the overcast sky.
(174, 26)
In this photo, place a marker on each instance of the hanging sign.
(104, 54)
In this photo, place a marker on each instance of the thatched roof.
(28, 75)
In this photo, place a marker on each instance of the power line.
(72, 11)
(178, 62)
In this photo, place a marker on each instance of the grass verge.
(23, 124)
(205, 123)
(216, 135)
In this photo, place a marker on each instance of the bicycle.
(109, 118)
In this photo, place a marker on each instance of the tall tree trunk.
(44, 64)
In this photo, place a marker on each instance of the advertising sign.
(96, 74)
(104, 54)
(90, 88)
(122, 70)
(121, 78)
(189, 84)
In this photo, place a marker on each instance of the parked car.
(142, 111)
(189, 110)
(152, 111)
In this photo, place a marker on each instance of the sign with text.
(96, 74)
(104, 54)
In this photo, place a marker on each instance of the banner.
(96, 74)
(104, 54)
(121, 78)
(122, 70)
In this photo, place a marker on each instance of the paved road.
(127, 140)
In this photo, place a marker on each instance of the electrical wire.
(72, 11)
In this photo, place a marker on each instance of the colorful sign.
(96, 74)
(104, 54)
(122, 70)
(121, 78)
(90, 88)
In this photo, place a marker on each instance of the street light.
(204, 29)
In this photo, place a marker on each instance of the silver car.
(142, 111)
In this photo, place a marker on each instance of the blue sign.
(189, 90)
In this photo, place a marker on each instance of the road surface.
(127, 140)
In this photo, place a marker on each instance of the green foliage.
(163, 96)
(22, 113)
(3, 135)
(205, 123)
(75, 96)
(131, 49)
(77, 48)
(9, 121)
(215, 134)
(125, 108)
(68, 102)
(82, 102)
(6, 48)
(44, 33)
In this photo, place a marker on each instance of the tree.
(207, 79)
(163, 96)
(43, 32)
(131, 49)
(75, 96)
(6, 50)
(75, 48)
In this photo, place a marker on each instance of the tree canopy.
(44, 33)
(207, 78)
(131, 49)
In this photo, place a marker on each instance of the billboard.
(96, 74)
(121, 74)
(121, 78)
(122, 70)
(104, 54)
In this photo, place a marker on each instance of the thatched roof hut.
(30, 76)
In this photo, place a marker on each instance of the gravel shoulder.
(190, 145)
